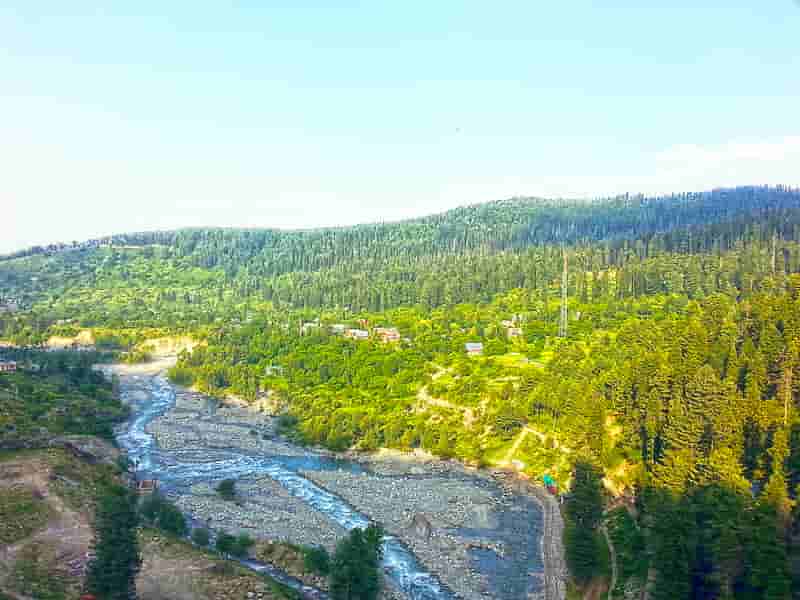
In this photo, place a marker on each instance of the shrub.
(150, 507)
(162, 513)
(227, 489)
(355, 571)
(225, 543)
(171, 520)
(242, 545)
(287, 422)
(181, 376)
(317, 560)
(201, 536)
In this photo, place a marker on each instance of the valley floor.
(479, 537)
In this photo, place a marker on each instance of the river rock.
(421, 527)
(480, 516)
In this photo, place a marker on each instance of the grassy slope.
(46, 508)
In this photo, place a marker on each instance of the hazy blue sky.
(150, 115)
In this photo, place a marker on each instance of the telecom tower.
(562, 326)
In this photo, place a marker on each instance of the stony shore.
(263, 509)
(479, 539)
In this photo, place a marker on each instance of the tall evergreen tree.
(112, 572)
(355, 570)
(584, 510)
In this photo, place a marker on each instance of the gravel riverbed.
(480, 538)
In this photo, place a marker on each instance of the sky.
(131, 116)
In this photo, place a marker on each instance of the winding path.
(555, 568)
(401, 564)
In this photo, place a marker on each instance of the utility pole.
(786, 382)
(774, 251)
(562, 326)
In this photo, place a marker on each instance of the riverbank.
(479, 536)
(554, 573)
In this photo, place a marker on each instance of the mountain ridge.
(460, 215)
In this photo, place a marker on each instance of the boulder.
(421, 527)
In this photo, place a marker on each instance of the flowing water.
(172, 468)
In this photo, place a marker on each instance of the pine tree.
(112, 572)
(672, 541)
(355, 569)
(765, 569)
(584, 510)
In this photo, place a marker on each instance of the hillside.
(465, 255)
(664, 394)
(57, 394)
(47, 499)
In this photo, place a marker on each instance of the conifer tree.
(112, 572)
(584, 510)
(355, 573)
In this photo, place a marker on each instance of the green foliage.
(112, 572)
(150, 507)
(679, 380)
(238, 546)
(201, 536)
(584, 506)
(227, 489)
(65, 396)
(766, 570)
(355, 568)
(630, 546)
(32, 575)
(225, 543)
(172, 521)
(582, 551)
(136, 356)
(160, 512)
(317, 559)
(242, 545)
(181, 376)
(21, 513)
(584, 509)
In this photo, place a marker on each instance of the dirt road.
(555, 568)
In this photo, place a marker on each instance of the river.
(152, 398)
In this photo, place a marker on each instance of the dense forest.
(663, 396)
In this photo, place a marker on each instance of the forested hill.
(664, 394)
(464, 255)
(495, 226)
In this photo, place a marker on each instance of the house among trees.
(357, 334)
(387, 334)
(7, 366)
(474, 348)
(338, 328)
(513, 332)
(305, 328)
